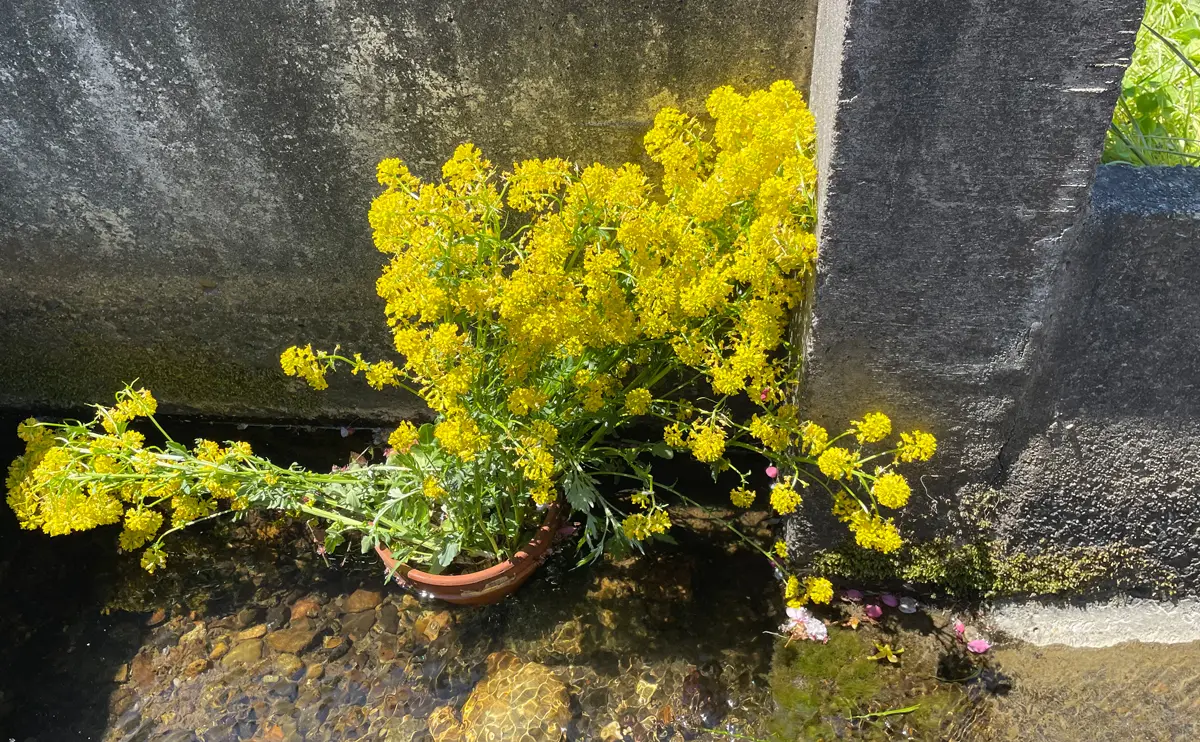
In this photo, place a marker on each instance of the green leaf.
(445, 557)
(580, 491)
(425, 434)
(662, 450)
(367, 543)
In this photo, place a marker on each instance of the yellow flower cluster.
(891, 490)
(306, 364)
(814, 589)
(742, 497)
(641, 526)
(707, 442)
(784, 498)
(404, 437)
(875, 426)
(836, 462)
(637, 401)
(916, 446)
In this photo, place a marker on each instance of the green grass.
(1157, 119)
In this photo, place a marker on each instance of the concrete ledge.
(1098, 624)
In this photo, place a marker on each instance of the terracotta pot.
(485, 586)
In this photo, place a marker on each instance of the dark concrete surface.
(184, 185)
(965, 286)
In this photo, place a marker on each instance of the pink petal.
(891, 601)
(979, 646)
(874, 611)
(796, 613)
(959, 628)
(852, 596)
(772, 472)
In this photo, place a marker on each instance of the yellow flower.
(781, 549)
(742, 497)
(306, 364)
(773, 437)
(637, 401)
(837, 463)
(461, 436)
(793, 596)
(534, 183)
(382, 374)
(394, 174)
(707, 442)
(640, 526)
(891, 490)
(814, 438)
(784, 498)
(522, 401)
(673, 435)
(818, 589)
(873, 532)
(432, 489)
(916, 446)
(875, 426)
(404, 437)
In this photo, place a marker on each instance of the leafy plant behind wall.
(1157, 119)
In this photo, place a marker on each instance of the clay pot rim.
(533, 550)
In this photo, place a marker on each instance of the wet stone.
(288, 665)
(305, 608)
(361, 600)
(194, 668)
(357, 626)
(218, 651)
(389, 618)
(254, 632)
(142, 670)
(278, 617)
(245, 653)
(157, 617)
(292, 641)
(430, 625)
(176, 736)
(247, 617)
(314, 672)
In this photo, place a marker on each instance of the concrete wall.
(184, 185)
(1106, 445)
(972, 282)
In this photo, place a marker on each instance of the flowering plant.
(545, 315)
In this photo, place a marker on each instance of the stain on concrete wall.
(184, 185)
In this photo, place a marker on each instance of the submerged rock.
(291, 641)
(515, 701)
(361, 600)
(248, 652)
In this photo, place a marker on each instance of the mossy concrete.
(185, 185)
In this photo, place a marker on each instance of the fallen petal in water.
(852, 596)
(908, 605)
(889, 600)
(874, 611)
(979, 646)
(960, 628)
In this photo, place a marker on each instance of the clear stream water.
(252, 635)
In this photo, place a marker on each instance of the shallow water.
(250, 634)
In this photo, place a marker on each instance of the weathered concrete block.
(1106, 446)
(958, 142)
(184, 187)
